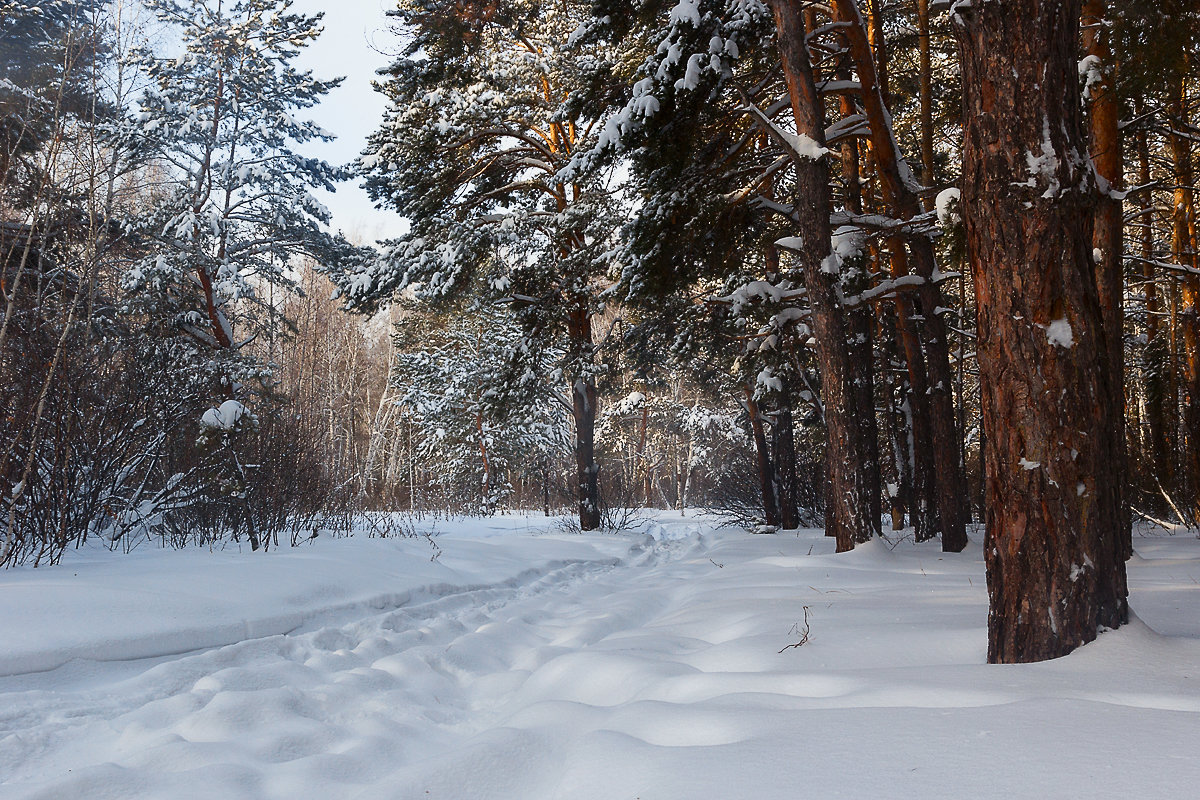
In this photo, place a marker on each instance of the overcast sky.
(355, 44)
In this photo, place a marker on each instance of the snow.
(686, 11)
(848, 242)
(768, 381)
(804, 145)
(225, 417)
(632, 402)
(1044, 165)
(1059, 333)
(947, 207)
(1091, 72)
(527, 662)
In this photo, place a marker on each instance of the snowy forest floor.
(525, 662)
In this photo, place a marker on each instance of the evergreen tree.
(472, 150)
(236, 204)
(479, 411)
(48, 51)
(1055, 550)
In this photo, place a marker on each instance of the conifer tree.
(475, 151)
(1054, 550)
(236, 206)
(479, 410)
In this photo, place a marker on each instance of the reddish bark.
(1183, 250)
(1107, 237)
(848, 505)
(900, 196)
(1054, 550)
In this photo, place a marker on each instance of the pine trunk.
(862, 322)
(1054, 550)
(583, 411)
(1108, 236)
(926, 96)
(1162, 465)
(900, 492)
(862, 359)
(766, 472)
(922, 512)
(948, 482)
(1183, 250)
(786, 483)
(847, 506)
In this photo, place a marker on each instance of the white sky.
(355, 43)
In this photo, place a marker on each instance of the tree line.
(840, 263)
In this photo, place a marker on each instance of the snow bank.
(665, 676)
(110, 607)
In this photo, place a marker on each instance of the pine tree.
(480, 410)
(1054, 548)
(236, 205)
(48, 49)
(476, 150)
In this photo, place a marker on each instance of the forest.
(900, 268)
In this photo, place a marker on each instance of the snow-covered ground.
(527, 663)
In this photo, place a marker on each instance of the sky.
(356, 42)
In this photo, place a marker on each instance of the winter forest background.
(893, 266)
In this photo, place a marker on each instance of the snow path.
(625, 667)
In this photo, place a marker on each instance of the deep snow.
(525, 662)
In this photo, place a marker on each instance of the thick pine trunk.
(583, 410)
(1108, 236)
(848, 506)
(1054, 550)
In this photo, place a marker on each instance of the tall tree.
(1105, 148)
(929, 362)
(849, 510)
(1053, 549)
(237, 204)
(478, 148)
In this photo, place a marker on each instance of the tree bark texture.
(949, 484)
(848, 506)
(1183, 250)
(1053, 549)
(1108, 236)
